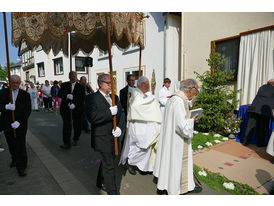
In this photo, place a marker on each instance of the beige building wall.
(199, 29)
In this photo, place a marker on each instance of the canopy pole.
(140, 58)
(111, 79)
(70, 68)
(8, 65)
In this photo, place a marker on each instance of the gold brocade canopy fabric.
(50, 30)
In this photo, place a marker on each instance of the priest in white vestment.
(143, 128)
(164, 94)
(174, 163)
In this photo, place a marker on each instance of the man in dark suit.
(73, 96)
(100, 114)
(22, 110)
(124, 92)
(259, 112)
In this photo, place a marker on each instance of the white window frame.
(57, 67)
(131, 70)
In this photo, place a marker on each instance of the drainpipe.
(164, 58)
(183, 55)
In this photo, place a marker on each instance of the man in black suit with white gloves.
(100, 114)
(73, 96)
(22, 110)
(124, 92)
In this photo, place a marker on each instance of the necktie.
(108, 99)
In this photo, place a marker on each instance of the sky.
(13, 51)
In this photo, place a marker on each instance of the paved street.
(53, 171)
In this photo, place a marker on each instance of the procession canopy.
(50, 30)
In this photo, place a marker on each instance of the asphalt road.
(81, 163)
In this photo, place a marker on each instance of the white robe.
(144, 122)
(162, 96)
(176, 129)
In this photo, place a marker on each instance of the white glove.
(117, 132)
(114, 110)
(70, 96)
(15, 125)
(71, 106)
(10, 106)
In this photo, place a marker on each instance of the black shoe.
(65, 146)
(101, 187)
(131, 169)
(21, 173)
(12, 164)
(74, 143)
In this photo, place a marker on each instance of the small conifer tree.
(215, 97)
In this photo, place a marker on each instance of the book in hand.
(198, 111)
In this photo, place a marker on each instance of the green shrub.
(217, 100)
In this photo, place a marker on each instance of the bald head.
(271, 82)
(15, 81)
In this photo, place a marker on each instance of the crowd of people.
(154, 135)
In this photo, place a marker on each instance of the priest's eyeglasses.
(197, 91)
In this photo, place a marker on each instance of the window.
(79, 65)
(103, 53)
(135, 72)
(27, 76)
(41, 69)
(132, 49)
(58, 66)
(229, 48)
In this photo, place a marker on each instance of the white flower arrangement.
(200, 147)
(229, 185)
(195, 132)
(217, 135)
(208, 144)
(202, 173)
(205, 134)
(217, 141)
(225, 138)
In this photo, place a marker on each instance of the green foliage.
(201, 139)
(215, 181)
(4, 72)
(215, 97)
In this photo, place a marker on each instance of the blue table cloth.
(244, 117)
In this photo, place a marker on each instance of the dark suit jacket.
(123, 98)
(99, 115)
(264, 101)
(22, 111)
(78, 99)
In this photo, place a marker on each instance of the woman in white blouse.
(33, 96)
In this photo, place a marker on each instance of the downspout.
(183, 57)
(165, 28)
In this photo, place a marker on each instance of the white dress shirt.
(107, 97)
(14, 95)
(163, 94)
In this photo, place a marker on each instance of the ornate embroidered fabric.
(50, 29)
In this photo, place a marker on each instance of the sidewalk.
(247, 165)
(37, 182)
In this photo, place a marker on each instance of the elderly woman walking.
(33, 96)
